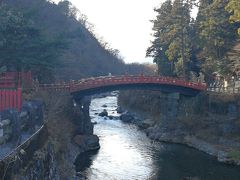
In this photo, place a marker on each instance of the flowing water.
(127, 154)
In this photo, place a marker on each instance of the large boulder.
(127, 117)
(10, 125)
(104, 113)
(87, 142)
(143, 125)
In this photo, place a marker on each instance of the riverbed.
(127, 153)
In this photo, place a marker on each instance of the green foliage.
(67, 8)
(233, 7)
(182, 45)
(172, 47)
(23, 46)
(235, 155)
(161, 34)
(216, 36)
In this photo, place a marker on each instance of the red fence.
(11, 84)
(10, 98)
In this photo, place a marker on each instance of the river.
(127, 154)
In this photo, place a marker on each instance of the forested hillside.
(80, 53)
(185, 47)
(54, 42)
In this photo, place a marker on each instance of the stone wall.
(13, 124)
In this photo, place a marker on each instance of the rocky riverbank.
(208, 122)
(67, 135)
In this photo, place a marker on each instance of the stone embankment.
(15, 126)
(208, 122)
(19, 131)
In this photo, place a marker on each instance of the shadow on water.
(177, 161)
(126, 153)
(84, 160)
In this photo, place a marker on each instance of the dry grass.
(60, 126)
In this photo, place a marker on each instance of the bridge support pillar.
(169, 109)
(85, 124)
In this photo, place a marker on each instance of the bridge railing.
(88, 83)
(228, 90)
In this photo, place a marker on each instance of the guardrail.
(228, 90)
(26, 150)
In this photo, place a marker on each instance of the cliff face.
(51, 154)
(208, 122)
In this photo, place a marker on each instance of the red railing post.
(7, 99)
(15, 99)
(19, 96)
(1, 99)
(11, 99)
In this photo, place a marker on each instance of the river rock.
(5, 122)
(110, 117)
(127, 117)
(104, 105)
(87, 142)
(94, 122)
(104, 113)
(142, 125)
(23, 114)
(79, 176)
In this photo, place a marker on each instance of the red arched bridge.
(12, 83)
(95, 85)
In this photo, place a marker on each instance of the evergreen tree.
(161, 42)
(68, 9)
(172, 47)
(216, 35)
(180, 46)
(23, 47)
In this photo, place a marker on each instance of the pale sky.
(124, 24)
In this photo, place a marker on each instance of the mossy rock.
(235, 155)
(8, 130)
(2, 140)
